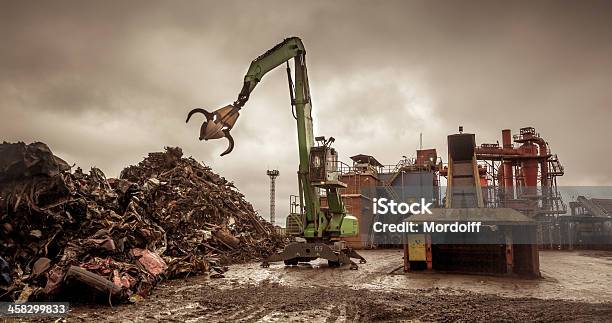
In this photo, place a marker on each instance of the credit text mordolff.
(427, 227)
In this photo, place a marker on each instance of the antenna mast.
(273, 175)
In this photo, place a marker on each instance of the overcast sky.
(104, 83)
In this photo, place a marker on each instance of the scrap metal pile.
(168, 216)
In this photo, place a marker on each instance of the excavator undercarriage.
(336, 255)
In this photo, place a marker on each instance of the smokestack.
(506, 138)
(507, 166)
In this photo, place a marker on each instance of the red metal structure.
(522, 174)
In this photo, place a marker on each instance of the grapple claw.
(231, 143)
(218, 124)
(198, 110)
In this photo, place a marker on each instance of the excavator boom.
(219, 123)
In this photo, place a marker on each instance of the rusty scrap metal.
(166, 217)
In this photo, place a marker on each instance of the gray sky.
(103, 83)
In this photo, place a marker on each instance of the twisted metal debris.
(166, 217)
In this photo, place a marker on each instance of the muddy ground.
(575, 287)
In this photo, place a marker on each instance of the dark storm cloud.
(103, 83)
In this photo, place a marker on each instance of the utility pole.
(421, 141)
(273, 175)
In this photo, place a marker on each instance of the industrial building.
(507, 242)
(511, 188)
(589, 226)
(516, 182)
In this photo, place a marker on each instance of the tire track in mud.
(322, 294)
(334, 313)
(271, 302)
(353, 312)
(250, 313)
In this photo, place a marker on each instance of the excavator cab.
(323, 161)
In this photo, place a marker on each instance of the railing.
(490, 146)
(343, 168)
(555, 166)
(390, 191)
(395, 168)
(548, 199)
(337, 168)
(295, 206)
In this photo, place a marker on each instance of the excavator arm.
(279, 54)
(219, 123)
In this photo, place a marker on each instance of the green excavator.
(320, 229)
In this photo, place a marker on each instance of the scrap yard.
(170, 240)
(278, 161)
